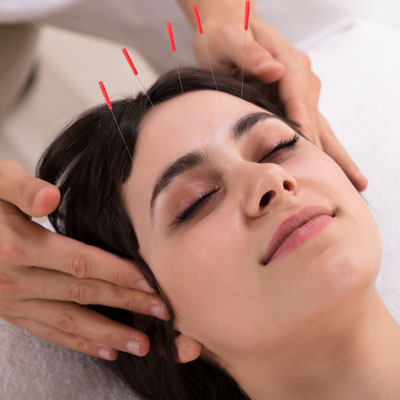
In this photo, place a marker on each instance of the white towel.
(33, 369)
(358, 63)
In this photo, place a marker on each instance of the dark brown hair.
(88, 161)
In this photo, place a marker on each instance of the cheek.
(207, 274)
(351, 263)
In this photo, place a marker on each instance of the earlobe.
(188, 349)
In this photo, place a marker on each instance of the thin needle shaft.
(173, 48)
(107, 99)
(136, 73)
(203, 40)
(179, 76)
(122, 136)
(246, 27)
(243, 64)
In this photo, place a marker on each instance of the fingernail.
(362, 178)
(158, 311)
(263, 64)
(133, 347)
(145, 286)
(104, 353)
(361, 175)
(38, 197)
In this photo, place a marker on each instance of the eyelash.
(205, 196)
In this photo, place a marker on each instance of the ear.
(188, 349)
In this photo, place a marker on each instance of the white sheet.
(358, 63)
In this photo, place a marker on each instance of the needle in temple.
(246, 27)
(173, 48)
(107, 99)
(201, 32)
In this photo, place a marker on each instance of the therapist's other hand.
(269, 58)
(45, 278)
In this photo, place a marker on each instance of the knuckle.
(305, 58)
(21, 192)
(119, 278)
(8, 308)
(131, 303)
(317, 82)
(65, 323)
(82, 293)
(108, 336)
(9, 252)
(80, 267)
(82, 345)
(8, 289)
(53, 336)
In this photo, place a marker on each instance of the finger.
(32, 196)
(302, 113)
(299, 91)
(63, 339)
(333, 148)
(299, 88)
(53, 251)
(53, 285)
(84, 323)
(258, 61)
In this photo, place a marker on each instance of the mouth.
(296, 229)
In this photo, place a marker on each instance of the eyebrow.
(196, 158)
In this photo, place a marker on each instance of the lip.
(290, 224)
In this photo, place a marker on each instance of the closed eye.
(282, 144)
(206, 196)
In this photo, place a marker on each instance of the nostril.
(266, 198)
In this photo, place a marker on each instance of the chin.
(343, 270)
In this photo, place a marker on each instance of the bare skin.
(45, 278)
(309, 325)
(269, 58)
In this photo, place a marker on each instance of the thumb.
(32, 196)
(258, 61)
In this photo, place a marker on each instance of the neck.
(357, 357)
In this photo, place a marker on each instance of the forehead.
(183, 124)
(175, 127)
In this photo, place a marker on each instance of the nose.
(267, 184)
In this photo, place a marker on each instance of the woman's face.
(210, 265)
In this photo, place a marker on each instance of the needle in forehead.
(246, 27)
(203, 40)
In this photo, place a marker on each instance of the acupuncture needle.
(107, 99)
(246, 28)
(203, 40)
(173, 48)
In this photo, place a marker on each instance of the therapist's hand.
(269, 57)
(45, 278)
